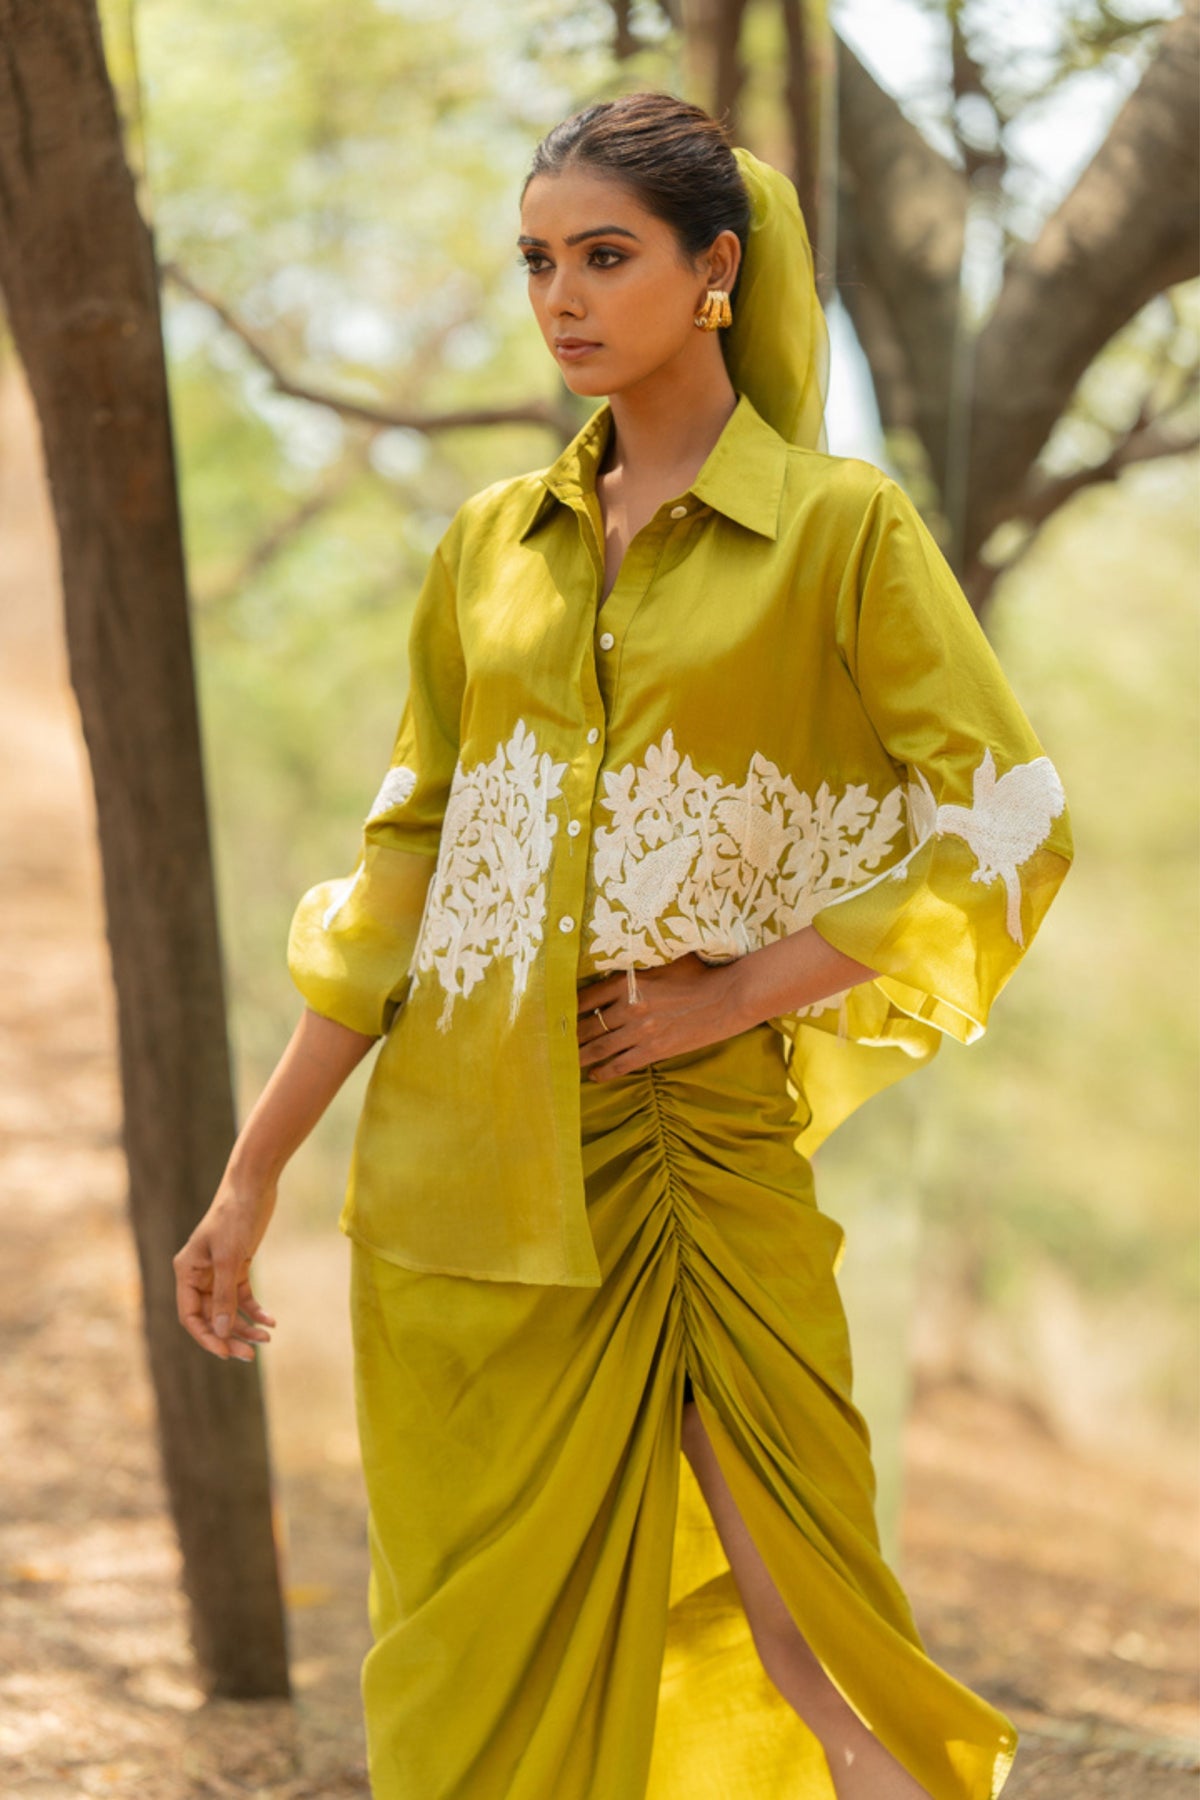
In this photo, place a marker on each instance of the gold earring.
(715, 312)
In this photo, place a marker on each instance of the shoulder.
(849, 504)
(847, 486)
(497, 513)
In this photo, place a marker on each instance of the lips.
(573, 343)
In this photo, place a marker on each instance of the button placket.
(634, 580)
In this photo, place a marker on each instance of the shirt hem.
(406, 1260)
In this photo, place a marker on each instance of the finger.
(248, 1332)
(224, 1303)
(195, 1322)
(605, 1046)
(595, 1043)
(251, 1307)
(599, 993)
(589, 1028)
(625, 1064)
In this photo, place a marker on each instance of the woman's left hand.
(682, 1005)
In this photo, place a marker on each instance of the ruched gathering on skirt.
(554, 1617)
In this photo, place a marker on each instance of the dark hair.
(675, 157)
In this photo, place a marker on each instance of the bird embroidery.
(1006, 822)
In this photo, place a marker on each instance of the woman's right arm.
(350, 947)
(212, 1271)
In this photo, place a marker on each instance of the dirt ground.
(1063, 1588)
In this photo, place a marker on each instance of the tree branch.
(263, 551)
(530, 412)
(1147, 440)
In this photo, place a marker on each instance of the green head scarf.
(777, 349)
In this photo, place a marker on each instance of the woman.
(710, 813)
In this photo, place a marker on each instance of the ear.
(723, 260)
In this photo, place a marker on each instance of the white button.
(566, 923)
(607, 640)
(677, 512)
(593, 734)
(574, 828)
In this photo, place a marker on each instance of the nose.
(560, 298)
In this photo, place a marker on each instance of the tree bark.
(801, 89)
(900, 248)
(715, 73)
(77, 271)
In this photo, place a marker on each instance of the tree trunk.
(804, 92)
(714, 71)
(78, 274)
(900, 248)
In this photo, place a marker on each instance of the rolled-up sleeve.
(352, 938)
(987, 822)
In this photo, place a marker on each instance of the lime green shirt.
(785, 713)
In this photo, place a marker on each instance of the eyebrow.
(578, 237)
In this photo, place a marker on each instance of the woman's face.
(621, 287)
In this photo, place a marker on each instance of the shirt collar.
(742, 476)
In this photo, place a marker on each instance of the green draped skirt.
(553, 1615)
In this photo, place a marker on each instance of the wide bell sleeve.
(988, 833)
(352, 938)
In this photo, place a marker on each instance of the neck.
(665, 426)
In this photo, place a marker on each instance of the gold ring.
(600, 1016)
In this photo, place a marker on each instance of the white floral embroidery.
(398, 785)
(693, 862)
(397, 788)
(487, 898)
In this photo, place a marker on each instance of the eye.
(531, 259)
(605, 250)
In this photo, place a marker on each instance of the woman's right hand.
(213, 1295)
(215, 1301)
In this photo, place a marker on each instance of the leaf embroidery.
(487, 898)
(398, 785)
(341, 892)
(397, 789)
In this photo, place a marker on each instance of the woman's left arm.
(941, 930)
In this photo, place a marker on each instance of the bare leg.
(860, 1766)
